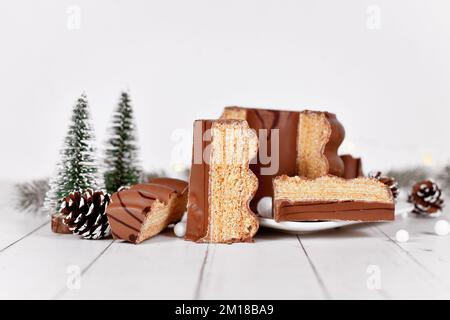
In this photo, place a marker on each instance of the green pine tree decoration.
(78, 167)
(122, 152)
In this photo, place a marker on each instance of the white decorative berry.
(180, 229)
(442, 228)
(402, 236)
(264, 207)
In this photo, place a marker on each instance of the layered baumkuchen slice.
(292, 143)
(221, 183)
(331, 198)
(144, 210)
(319, 136)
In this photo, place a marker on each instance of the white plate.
(311, 226)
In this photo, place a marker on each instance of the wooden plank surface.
(349, 260)
(274, 267)
(165, 267)
(15, 225)
(429, 251)
(39, 266)
(358, 262)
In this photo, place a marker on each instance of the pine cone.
(85, 213)
(389, 181)
(426, 197)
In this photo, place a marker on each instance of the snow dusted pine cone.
(85, 213)
(426, 197)
(389, 181)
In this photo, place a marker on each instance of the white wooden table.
(361, 262)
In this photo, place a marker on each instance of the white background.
(388, 80)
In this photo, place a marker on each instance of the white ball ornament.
(402, 236)
(264, 207)
(442, 228)
(180, 229)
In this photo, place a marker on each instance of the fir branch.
(186, 174)
(407, 177)
(154, 174)
(444, 178)
(30, 196)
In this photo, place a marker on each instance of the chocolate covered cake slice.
(319, 136)
(221, 183)
(331, 198)
(144, 210)
(291, 143)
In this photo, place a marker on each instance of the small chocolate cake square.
(144, 210)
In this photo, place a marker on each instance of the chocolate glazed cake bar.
(307, 144)
(221, 183)
(144, 210)
(332, 198)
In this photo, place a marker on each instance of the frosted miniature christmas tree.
(77, 168)
(122, 152)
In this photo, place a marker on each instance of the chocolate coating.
(285, 210)
(353, 167)
(180, 186)
(198, 207)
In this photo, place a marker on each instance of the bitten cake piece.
(144, 210)
(332, 198)
(306, 144)
(353, 167)
(221, 183)
(319, 136)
